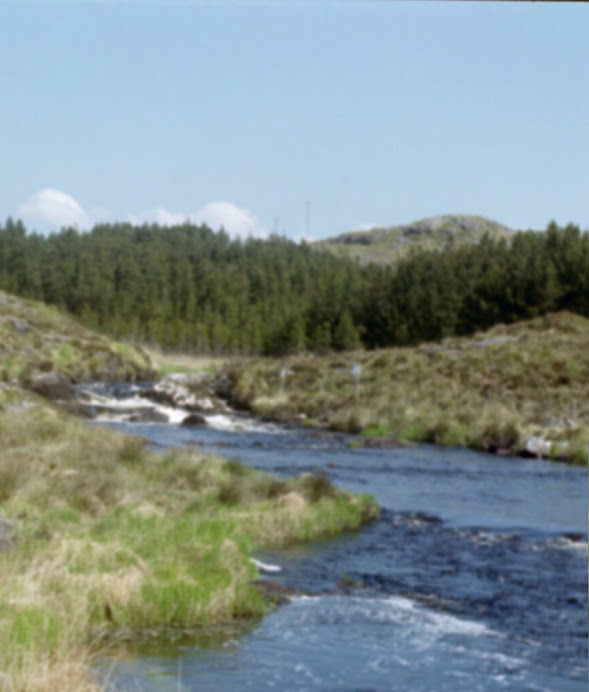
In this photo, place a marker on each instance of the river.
(474, 577)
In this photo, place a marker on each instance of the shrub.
(315, 487)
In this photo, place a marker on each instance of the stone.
(194, 420)
(5, 682)
(188, 391)
(274, 591)
(52, 385)
(537, 447)
(148, 415)
(6, 534)
(19, 325)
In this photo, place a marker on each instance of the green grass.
(37, 338)
(492, 391)
(377, 430)
(167, 363)
(111, 538)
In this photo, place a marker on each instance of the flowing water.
(474, 577)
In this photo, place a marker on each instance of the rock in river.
(52, 385)
(194, 420)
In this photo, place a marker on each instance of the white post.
(356, 370)
(282, 380)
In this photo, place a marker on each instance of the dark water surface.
(473, 578)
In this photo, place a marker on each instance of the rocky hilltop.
(388, 244)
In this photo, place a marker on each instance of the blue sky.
(293, 116)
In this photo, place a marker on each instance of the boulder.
(148, 415)
(536, 448)
(52, 385)
(6, 533)
(188, 391)
(274, 591)
(194, 420)
(159, 396)
(21, 326)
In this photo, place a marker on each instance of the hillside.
(40, 347)
(386, 245)
(189, 289)
(513, 389)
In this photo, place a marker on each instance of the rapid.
(474, 576)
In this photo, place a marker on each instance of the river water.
(474, 577)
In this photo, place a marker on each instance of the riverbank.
(102, 540)
(102, 536)
(514, 389)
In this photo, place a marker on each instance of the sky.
(297, 117)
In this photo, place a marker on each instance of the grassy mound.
(100, 537)
(36, 338)
(508, 390)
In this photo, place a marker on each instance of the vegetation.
(101, 540)
(167, 362)
(108, 538)
(389, 245)
(188, 288)
(496, 391)
(38, 338)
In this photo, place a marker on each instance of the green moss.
(453, 434)
(377, 430)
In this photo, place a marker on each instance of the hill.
(386, 245)
(36, 338)
(513, 389)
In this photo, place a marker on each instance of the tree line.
(190, 288)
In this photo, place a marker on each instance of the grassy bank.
(100, 538)
(166, 362)
(495, 391)
(36, 338)
(106, 537)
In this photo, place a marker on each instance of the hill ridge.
(385, 244)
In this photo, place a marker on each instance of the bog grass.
(37, 338)
(110, 538)
(166, 362)
(493, 391)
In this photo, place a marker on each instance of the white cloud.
(237, 221)
(160, 216)
(53, 209)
